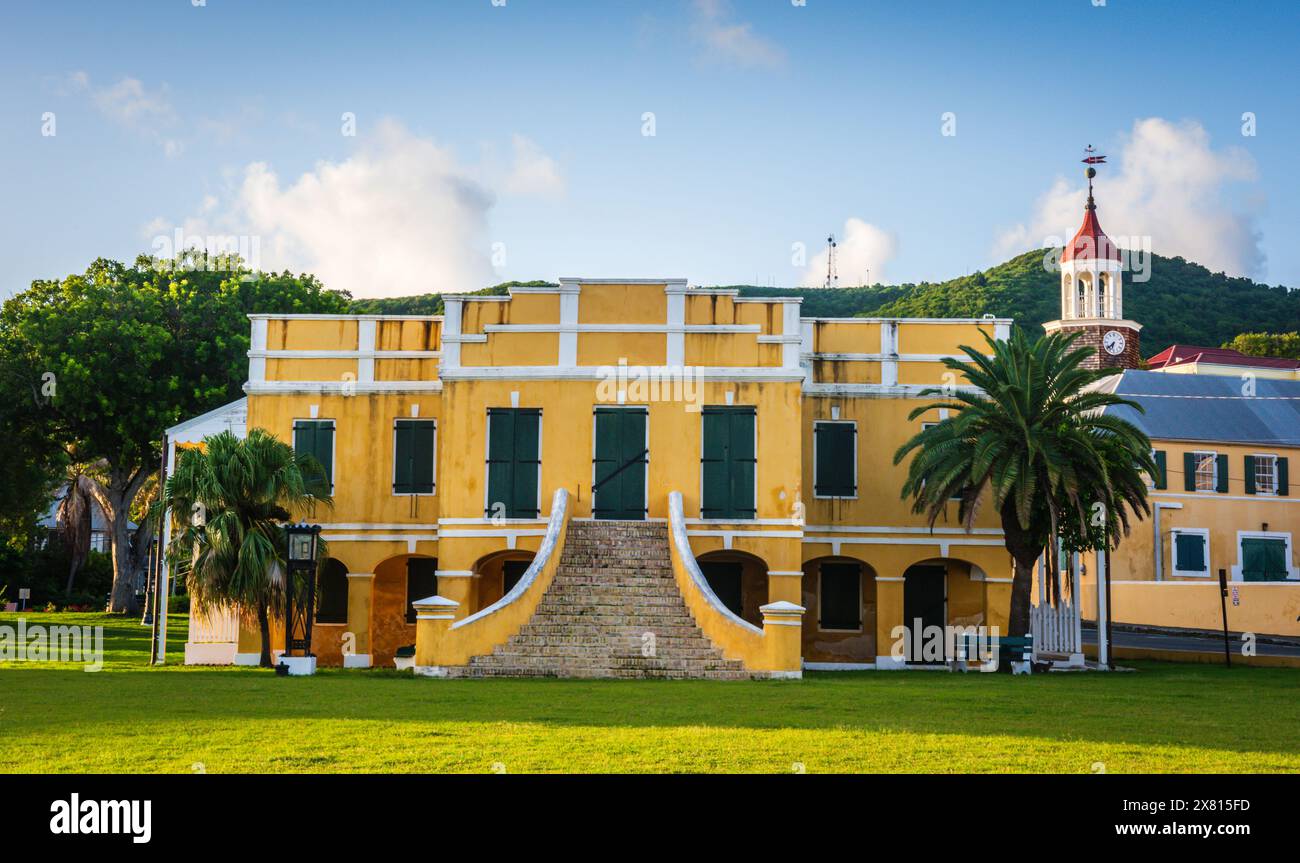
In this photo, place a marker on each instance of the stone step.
(614, 584)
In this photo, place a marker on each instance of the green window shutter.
(316, 438)
(413, 457)
(501, 456)
(619, 463)
(1189, 471)
(1282, 477)
(527, 462)
(1162, 470)
(1250, 474)
(403, 444)
(727, 463)
(1263, 560)
(713, 464)
(513, 436)
(1189, 552)
(833, 473)
(1223, 473)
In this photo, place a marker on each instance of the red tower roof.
(1091, 242)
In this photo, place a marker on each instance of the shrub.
(178, 603)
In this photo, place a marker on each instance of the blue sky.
(501, 142)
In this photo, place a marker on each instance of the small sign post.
(24, 594)
(1223, 601)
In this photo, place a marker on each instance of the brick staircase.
(614, 585)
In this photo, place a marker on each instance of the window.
(1081, 308)
(840, 597)
(99, 541)
(316, 438)
(413, 456)
(1191, 551)
(835, 459)
(1263, 474)
(513, 463)
(1101, 296)
(1205, 471)
(332, 593)
(421, 582)
(1264, 558)
(728, 464)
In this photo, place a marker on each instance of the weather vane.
(1090, 158)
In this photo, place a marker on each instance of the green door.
(728, 463)
(620, 464)
(925, 606)
(513, 462)
(1263, 559)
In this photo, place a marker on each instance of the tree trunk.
(1025, 549)
(264, 625)
(115, 500)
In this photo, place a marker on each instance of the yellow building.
(1224, 501)
(620, 478)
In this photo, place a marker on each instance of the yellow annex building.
(615, 478)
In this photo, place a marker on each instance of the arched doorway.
(840, 625)
(398, 582)
(495, 574)
(941, 597)
(739, 580)
(332, 592)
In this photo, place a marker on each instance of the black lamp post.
(303, 542)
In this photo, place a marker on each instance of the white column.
(1103, 613)
(889, 348)
(789, 331)
(451, 332)
(569, 292)
(164, 574)
(366, 345)
(257, 344)
(675, 349)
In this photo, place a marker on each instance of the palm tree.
(1031, 435)
(235, 496)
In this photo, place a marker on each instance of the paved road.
(1167, 641)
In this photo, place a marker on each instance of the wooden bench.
(1018, 649)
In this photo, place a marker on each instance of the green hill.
(1181, 302)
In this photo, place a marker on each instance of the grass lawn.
(128, 717)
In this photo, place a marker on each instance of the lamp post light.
(304, 543)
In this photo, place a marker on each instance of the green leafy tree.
(233, 497)
(1286, 345)
(1030, 438)
(117, 354)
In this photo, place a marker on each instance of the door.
(514, 439)
(727, 464)
(724, 580)
(1263, 559)
(924, 598)
(619, 464)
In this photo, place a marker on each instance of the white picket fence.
(1055, 628)
(221, 626)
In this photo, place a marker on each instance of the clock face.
(1113, 342)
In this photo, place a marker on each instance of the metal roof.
(1222, 408)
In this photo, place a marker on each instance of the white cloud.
(732, 41)
(130, 103)
(1168, 185)
(534, 172)
(401, 216)
(862, 253)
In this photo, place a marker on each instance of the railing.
(219, 626)
(440, 643)
(774, 649)
(1055, 628)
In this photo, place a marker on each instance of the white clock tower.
(1092, 291)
